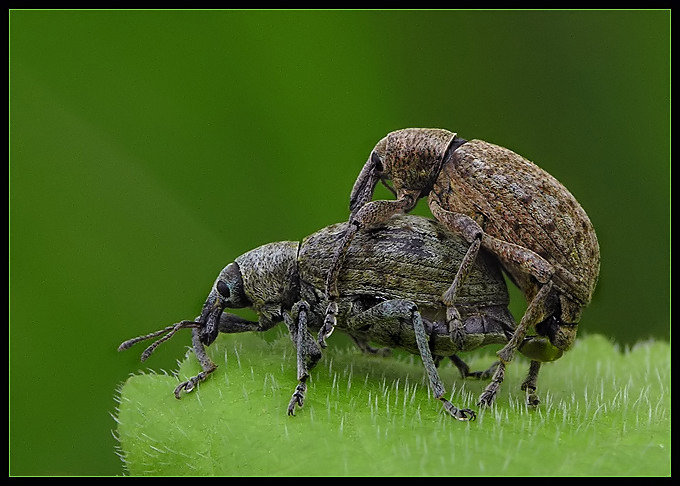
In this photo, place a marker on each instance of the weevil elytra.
(498, 201)
(389, 294)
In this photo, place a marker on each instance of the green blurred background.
(150, 148)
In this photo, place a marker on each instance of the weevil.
(389, 295)
(499, 201)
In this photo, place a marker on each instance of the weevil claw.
(462, 414)
(298, 398)
(328, 324)
(487, 398)
(189, 385)
(532, 399)
(184, 386)
(466, 414)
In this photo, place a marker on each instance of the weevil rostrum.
(389, 294)
(498, 201)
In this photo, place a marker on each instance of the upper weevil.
(496, 200)
(390, 288)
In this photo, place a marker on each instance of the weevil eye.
(229, 287)
(223, 289)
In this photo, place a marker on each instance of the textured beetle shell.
(409, 257)
(416, 259)
(516, 201)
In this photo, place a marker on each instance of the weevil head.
(412, 158)
(227, 292)
(264, 279)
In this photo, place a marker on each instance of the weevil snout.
(210, 318)
(227, 292)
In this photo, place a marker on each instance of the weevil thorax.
(270, 274)
(412, 158)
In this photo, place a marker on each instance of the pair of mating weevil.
(434, 288)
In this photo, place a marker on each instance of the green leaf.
(604, 412)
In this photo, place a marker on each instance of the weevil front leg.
(363, 216)
(206, 364)
(308, 351)
(402, 318)
(229, 323)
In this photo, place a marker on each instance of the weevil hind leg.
(529, 384)
(436, 384)
(533, 314)
(366, 348)
(383, 318)
(465, 372)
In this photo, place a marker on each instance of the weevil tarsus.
(529, 384)
(206, 364)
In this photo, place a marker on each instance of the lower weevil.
(389, 294)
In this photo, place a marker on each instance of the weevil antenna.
(168, 331)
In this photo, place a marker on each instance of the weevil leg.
(435, 381)
(229, 323)
(206, 363)
(465, 372)
(534, 313)
(366, 215)
(364, 186)
(453, 319)
(472, 232)
(488, 397)
(308, 351)
(529, 384)
(391, 314)
(365, 347)
(462, 366)
(519, 257)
